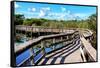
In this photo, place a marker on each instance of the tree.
(37, 22)
(92, 22)
(18, 19)
(28, 22)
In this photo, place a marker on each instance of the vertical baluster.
(67, 37)
(54, 40)
(64, 43)
(22, 31)
(39, 30)
(31, 32)
(46, 31)
(43, 47)
(34, 29)
(61, 39)
(26, 31)
(31, 54)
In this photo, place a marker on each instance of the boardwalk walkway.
(72, 51)
(67, 54)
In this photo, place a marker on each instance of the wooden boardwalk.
(64, 55)
(75, 51)
(42, 29)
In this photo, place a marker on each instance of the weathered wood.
(63, 33)
(89, 49)
(21, 48)
(40, 29)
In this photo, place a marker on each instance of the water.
(23, 40)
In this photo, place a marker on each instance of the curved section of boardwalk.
(75, 50)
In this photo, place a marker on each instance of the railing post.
(31, 31)
(62, 40)
(54, 40)
(34, 29)
(43, 47)
(21, 31)
(31, 54)
(67, 36)
(26, 31)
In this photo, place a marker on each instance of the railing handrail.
(33, 42)
(46, 27)
(56, 28)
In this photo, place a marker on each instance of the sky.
(53, 11)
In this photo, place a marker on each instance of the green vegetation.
(18, 19)
(89, 23)
(92, 22)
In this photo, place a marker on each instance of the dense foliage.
(89, 23)
(18, 19)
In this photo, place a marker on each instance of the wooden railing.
(41, 29)
(89, 51)
(42, 42)
(52, 40)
